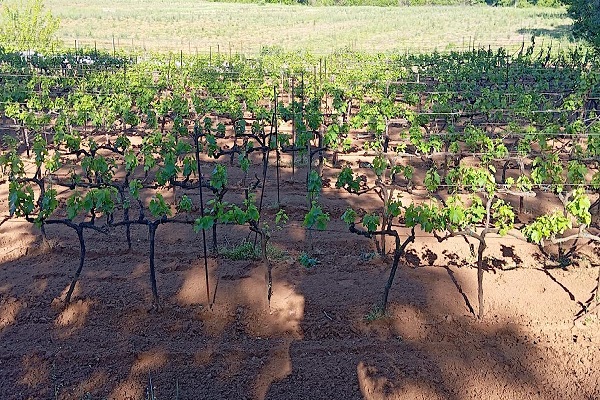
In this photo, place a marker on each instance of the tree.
(26, 24)
(586, 19)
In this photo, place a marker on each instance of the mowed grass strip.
(195, 26)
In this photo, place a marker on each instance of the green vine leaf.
(347, 181)
(185, 204)
(316, 218)
(134, 188)
(20, 199)
(371, 222)
(314, 184)
(546, 227)
(579, 207)
(74, 206)
(158, 207)
(203, 223)
(218, 178)
(349, 216)
(432, 179)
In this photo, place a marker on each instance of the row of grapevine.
(127, 143)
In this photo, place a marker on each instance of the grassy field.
(192, 25)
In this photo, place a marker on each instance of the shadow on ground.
(316, 340)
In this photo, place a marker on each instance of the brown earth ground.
(316, 341)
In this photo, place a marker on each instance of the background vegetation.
(26, 23)
(190, 26)
(586, 14)
(394, 3)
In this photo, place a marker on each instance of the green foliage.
(134, 188)
(247, 251)
(169, 169)
(380, 164)
(26, 24)
(244, 251)
(122, 142)
(477, 140)
(252, 213)
(189, 166)
(307, 261)
(346, 180)
(313, 115)
(428, 216)
(398, 169)
(503, 216)
(244, 162)
(422, 144)
(586, 19)
(472, 179)
(212, 148)
(375, 314)
(316, 218)
(281, 218)
(100, 168)
(408, 171)
(576, 172)
(225, 213)
(546, 227)
(158, 207)
(53, 163)
(459, 81)
(524, 3)
(336, 136)
(39, 149)
(72, 141)
(185, 204)
(524, 184)
(547, 169)
(100, 200)
(371, 222)
(204, 223)
(48, 204)
(218, 178)
(314, 184)
(457, 216)
(349, 216)
(131, 161)
(74, 205)
(20, 199)
(432, 179)
(393, 208)
(579, 207)
(11, 164)
(456, 213)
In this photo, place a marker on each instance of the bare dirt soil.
(316, 341)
